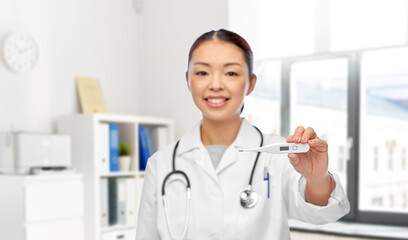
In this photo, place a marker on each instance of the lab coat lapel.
(203, 160)
(229, 157)
(247, 137)
(192, 142)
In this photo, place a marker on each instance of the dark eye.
(232, 74)
(201, 73)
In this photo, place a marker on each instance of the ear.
(252, 84)
(188, 82)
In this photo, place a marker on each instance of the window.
(391, 204)
(360, 94)
(340, 159)
(262, 106)
(376, 201)
(384, 95)
(390, 158)
(319, 88)
(375, 159)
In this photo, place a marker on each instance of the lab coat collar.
(247, 137)
(191, 140)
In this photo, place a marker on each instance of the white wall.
(140, 57)
(167, 29)
(94, 38)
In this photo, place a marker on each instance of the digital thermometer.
(280, 148)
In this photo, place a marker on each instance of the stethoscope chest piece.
(249, 198)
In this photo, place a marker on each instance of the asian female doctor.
(201, 187)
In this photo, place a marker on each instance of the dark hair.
(229, 37)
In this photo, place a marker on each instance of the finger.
(298, 134)
(309, 133)
(289, 139)
(313, 136)
(318, 144)
(294, 159)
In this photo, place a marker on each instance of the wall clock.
(20, 52)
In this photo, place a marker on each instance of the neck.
(219, 133)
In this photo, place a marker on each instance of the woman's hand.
(312, 165)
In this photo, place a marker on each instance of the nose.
(216, 82)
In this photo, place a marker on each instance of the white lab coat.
(216, 212)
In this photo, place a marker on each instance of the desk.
(349, 229)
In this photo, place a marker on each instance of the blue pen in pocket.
(266, 178)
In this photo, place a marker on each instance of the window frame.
(353, 131)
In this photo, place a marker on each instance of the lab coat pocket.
(252, 218)
(254, 222)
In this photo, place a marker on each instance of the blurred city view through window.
(315, 47)
(318, 93)
(384, 131)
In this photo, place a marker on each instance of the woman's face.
(218, 78)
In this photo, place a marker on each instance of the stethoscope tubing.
(256, 159)
(188, 197)
(188, 189)
(187, 217)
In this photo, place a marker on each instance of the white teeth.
(216, 100)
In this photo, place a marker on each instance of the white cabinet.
(119, 235)
(88, 140)
(41, 207)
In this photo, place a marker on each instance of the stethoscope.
(248, 197)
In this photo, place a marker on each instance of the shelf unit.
(84, 130)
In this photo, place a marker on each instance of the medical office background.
(340, 66)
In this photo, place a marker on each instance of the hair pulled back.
(229, 37)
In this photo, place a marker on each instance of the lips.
(216, 102)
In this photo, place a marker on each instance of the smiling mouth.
(216, 100)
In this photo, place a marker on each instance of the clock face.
(20, 52)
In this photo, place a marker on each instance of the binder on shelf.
(121, 205)
(104, 156)
(131, 201)
(114, 146)
(104, 202)
(112, 201)
(144, 152)
(148, 140)
(160, 137)
(117, 201)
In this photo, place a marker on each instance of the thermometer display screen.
(286, 148)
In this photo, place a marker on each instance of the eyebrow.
(226, 65)
(231, 64)
(202, 63)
